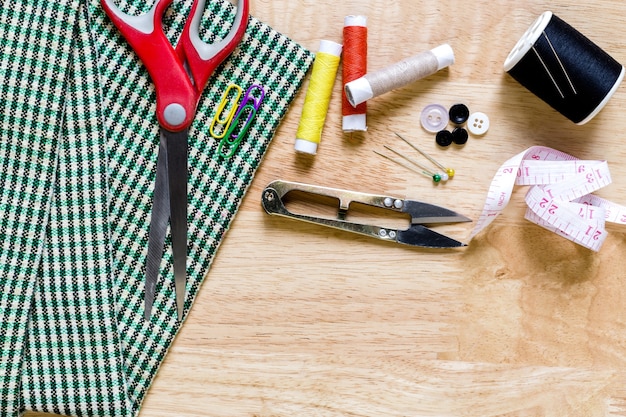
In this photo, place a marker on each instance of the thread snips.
(421, 214)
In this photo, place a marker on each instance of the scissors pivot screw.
(175, 114)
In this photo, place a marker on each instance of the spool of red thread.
(354, 67)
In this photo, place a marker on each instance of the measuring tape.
(559, 199)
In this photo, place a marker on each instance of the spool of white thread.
(399, 74)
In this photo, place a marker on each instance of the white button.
(478, 123)
(434, 118)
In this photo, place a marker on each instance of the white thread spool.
(399, 74)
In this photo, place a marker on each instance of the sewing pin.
(547, 71)
(449, 171)
(435, 176)
(569, 80)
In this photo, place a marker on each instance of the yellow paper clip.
(225, 122)
(248, 108)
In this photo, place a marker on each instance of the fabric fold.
(78, 147)
(32, 87)
(72, 341)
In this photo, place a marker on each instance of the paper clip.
(229, 143)
(248, 96)
(248, 108)
(226, 121)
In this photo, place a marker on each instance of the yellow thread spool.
(317, 99)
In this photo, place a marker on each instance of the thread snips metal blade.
(421, 214)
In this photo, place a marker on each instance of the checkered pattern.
(78, 146)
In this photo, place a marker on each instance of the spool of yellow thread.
(317, 98)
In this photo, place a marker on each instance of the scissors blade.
(425, 213)
(177, 178)
(158, 227)
(419, 235)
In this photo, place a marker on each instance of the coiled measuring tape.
(560, 198)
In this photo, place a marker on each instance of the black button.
(459, 136)
(459, 113)
(443, 138)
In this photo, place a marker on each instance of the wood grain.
(300, 320)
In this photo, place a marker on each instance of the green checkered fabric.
(78, 147)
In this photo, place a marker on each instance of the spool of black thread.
(564, 68)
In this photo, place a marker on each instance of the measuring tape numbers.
(560, 198)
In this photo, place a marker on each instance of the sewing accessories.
(444, 138)
(399, 74)
(478, 123)
(434, 118)
(225, 113)
(354, 67)
(234, 118)
(317, 99)
(444, 175)
(179, 75)
(417, 234)
(560, 198)
(564, 68)
(458, 113)
(448, 171)
(435, 176)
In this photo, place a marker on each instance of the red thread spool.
(354, 67)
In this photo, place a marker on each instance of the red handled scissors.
(179, 75)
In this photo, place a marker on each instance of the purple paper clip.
(256, 101)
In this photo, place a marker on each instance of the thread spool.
(399, 74)
(564, 68)
(315, 108)
(354, 67)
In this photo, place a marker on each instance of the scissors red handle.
(177, 93)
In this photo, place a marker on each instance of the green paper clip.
(229, 143)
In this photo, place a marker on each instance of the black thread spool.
(564, 68)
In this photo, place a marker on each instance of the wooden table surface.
(301, 320)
